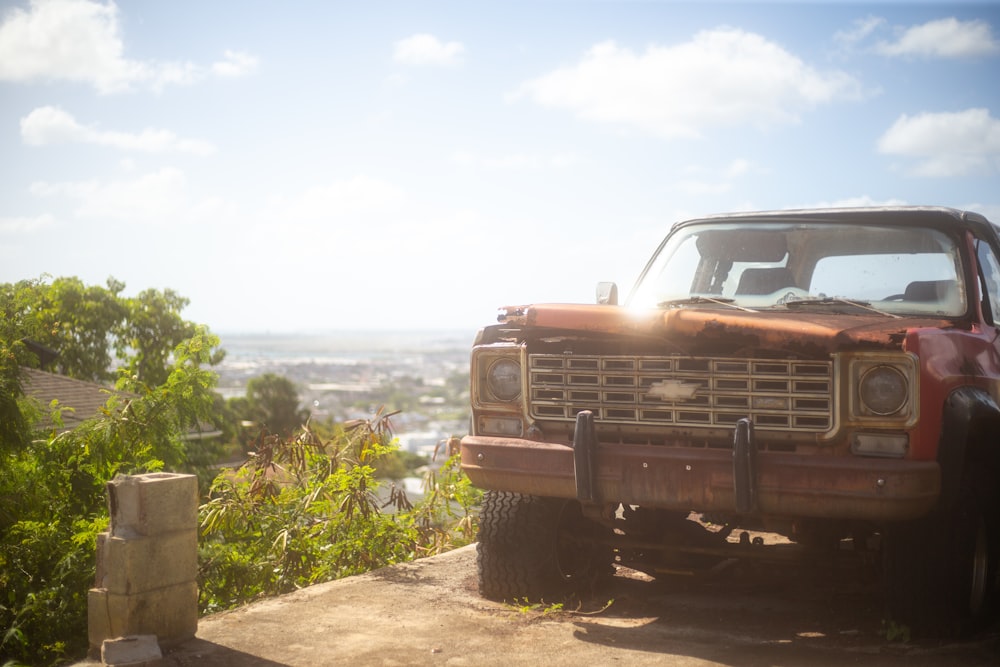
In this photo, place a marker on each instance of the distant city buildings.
(350, 376)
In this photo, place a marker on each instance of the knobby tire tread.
(514, 533)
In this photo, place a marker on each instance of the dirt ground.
(429, 613)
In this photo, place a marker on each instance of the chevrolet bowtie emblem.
(673, 390)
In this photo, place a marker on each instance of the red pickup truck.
(831, 376)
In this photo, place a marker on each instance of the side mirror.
(607, 294)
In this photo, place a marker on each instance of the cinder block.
(147, 563)
(154, 503)
(100, 570)
(169, 613)
(134, 651)
(98, 621)
(141, 564)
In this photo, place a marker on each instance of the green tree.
(173, 409)
(272, 402)
(79, 323)
(84, 325)
(75, 327)
(15, 327)
(150, 330)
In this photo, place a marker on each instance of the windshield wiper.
(836, 301)
(697, 299)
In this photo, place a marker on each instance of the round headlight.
(504, 379)
(883, 390)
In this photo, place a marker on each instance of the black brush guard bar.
(744, 462)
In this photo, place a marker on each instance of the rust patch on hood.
(698, 327)
(580, 317)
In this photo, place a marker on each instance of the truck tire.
(942, 570)
(974, 555)
(533, 548)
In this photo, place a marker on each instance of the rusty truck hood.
(691, 329)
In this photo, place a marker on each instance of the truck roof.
(930, 215)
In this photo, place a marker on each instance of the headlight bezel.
(486, 363)
(884, 388)
(498, 386)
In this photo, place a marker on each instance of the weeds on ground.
(541, 608)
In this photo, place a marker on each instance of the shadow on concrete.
(766, 616)
(198, 651)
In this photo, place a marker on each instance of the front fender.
(970, 416)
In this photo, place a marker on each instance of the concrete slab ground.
(429, 613)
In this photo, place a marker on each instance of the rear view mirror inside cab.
(740, 245)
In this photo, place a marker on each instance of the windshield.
(896, 270)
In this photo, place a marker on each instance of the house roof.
(79, 399)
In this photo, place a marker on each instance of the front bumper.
(703, 480)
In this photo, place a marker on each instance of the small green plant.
(895, 632)
(445, 517)
(607, 605)
(525, 606)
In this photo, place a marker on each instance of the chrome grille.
(778, 395)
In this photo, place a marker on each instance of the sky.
(310, 166)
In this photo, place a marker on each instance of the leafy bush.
(303, 510)
(53, 504)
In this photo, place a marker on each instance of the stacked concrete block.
(147, 562)
(137, 651)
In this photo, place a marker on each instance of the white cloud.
(943, 38)
(739, 167)
(51, 125)
(155, 198)
(362, 250)
(424, 49)
(66, 39)
(723, 77)
(353, 199)
(25, 225)
(235, 64)
(945, 144)
(341, 228)
(81, 41)
(704, 181)
(861, 30)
